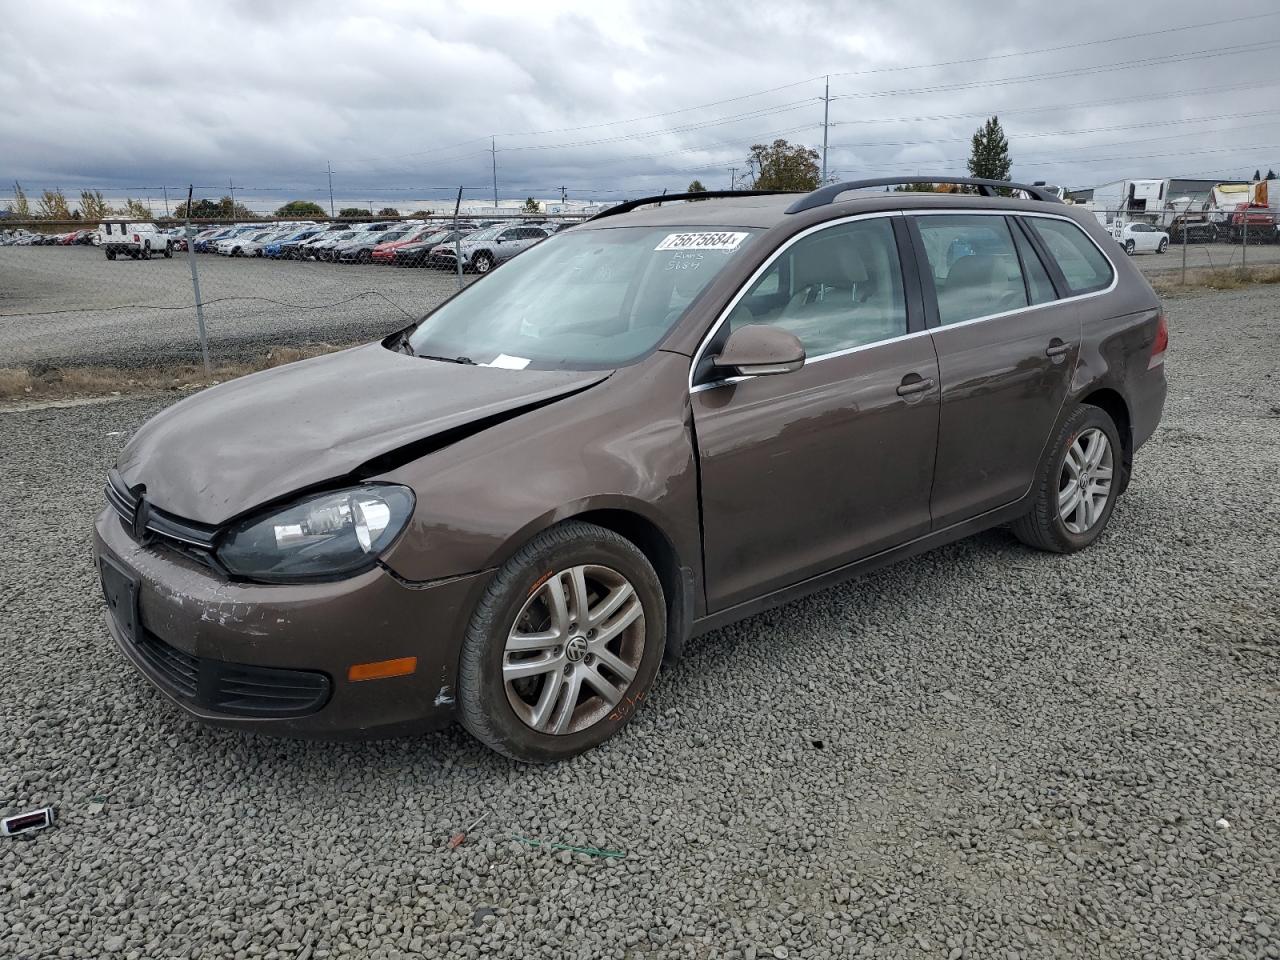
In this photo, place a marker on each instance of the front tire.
(1077, 486)
(111, 254)
(1164, 245)
(1130, 247)
(563, 646)
(168, 251)
(482, 263)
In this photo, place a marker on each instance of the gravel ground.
(331, 303)
(984, 752)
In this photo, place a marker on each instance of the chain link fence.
(139, 300)
(135, 295)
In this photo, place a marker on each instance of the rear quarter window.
(1083, 265)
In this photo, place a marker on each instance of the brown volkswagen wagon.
(645, 427)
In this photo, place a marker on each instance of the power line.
(1234, 49)
(849, 73)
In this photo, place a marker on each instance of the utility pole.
(564, 196)
(329, 167)
(826, 113)
(493, 153)
(166, 202)
(733, 178)
(233, 197)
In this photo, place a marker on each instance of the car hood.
(255, 439)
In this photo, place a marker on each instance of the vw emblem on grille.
(141, 517)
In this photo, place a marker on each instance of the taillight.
(136, 239)
(1161, 343)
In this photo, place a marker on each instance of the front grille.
(190, 538)
(233, 689)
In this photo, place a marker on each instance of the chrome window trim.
(724, 314)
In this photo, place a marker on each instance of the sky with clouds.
(610, 99)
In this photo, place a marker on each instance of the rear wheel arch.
(1111, 403)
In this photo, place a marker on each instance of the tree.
(300, 208)
(92, 206)
(989, 157)
(1271, 174)
(20, 208)
(53, 206)
(783, 166)
(134, 210)
(237, 211)
(201, 210)
(1257, 175)
(420, 214)
(532, 206)
(388, 212)
(696, 187)
(353, 212)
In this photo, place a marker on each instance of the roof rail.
(825, 195)
(628, 205)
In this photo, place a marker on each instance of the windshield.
(486, 234)
(585, 298)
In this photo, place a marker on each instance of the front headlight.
(321, 537)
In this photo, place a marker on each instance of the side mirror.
(758, 351)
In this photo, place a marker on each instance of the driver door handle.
(913, 384)
(1057, 349)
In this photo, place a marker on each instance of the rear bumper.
(1146, 403)
(240, 655)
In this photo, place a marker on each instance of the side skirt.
(957, 531)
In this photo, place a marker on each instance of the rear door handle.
(913, 384)
(1057, 349)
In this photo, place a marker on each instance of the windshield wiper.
(467, 361)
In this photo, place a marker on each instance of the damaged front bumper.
(277, 658)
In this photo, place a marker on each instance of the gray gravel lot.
(122, 313)
(984, 752)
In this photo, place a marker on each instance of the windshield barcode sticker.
(701, 241)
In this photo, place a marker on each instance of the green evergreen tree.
(989, 157)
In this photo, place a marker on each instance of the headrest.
(834, 263)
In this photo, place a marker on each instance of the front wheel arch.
(680, 583)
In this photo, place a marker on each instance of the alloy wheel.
(1084, 486)
(574, 649)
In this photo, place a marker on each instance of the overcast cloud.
(611, 98)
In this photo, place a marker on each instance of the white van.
(134, 239)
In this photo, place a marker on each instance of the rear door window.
(1083, 265)
(975, 266)
(1039, 286)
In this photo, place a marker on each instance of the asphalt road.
(985, 752)
(70, 306)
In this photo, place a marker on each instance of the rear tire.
(1164, 245)
(111, 254)
(503, 713)
(168, 251)
(1130, 247)
(1059, 484)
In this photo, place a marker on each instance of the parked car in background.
(254, 246)
(1139, 237)
(359, 249)
(287, 247)
(483, 251)
(136, 240)
(234, 245)
(385, 251)
(419, 253)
